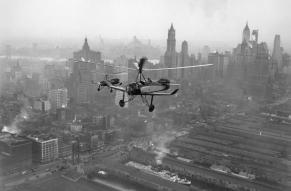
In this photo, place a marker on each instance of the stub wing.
(161, 93)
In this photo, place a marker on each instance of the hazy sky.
(194, 20)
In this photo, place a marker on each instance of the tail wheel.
(121, 103)
(151, 108)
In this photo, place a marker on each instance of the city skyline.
(202, 22)
(145, 95)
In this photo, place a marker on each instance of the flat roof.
(12, 139)
(41, 137)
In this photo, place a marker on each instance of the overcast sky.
(194, 20)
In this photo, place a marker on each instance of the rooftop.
(41, 137)
(12, 139)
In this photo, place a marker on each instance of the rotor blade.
(114, 73)
(107, 64)
(174, 84)
(180, 67)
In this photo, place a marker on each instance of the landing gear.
(121, 103)
(111, 90)
(98, 89)
(151, 108)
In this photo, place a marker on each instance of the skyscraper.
(204, 55)
(81, 89)
(277, 54)
(184, 58)
(246, 34)
(251, 64)
(171, 54)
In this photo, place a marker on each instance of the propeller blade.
(114, 73)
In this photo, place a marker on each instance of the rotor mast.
(140, 75)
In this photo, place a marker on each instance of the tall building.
(277, 54)
(184, 59)
(220, 62)
(204, 55)
(250, 65)
(170, 57)
(81, 88)
(44, 148)
(58, 98)
(246, 34)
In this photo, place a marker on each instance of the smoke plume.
(13, 128)
(162, 142)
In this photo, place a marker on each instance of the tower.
(171, 54)
(171, 41)
(277, 53)
(81, 89)
(86, 47)
(184, 58)
(246, 34)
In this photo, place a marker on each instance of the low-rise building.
(44, 148)
(15, 153)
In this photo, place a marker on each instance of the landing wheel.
(111, 90)
(121, 103)
(151, 108)
(98, 89)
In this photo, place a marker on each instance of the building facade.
(44, 148)
(58, 98)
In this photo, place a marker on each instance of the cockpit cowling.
(114, 81)
(164, 81)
